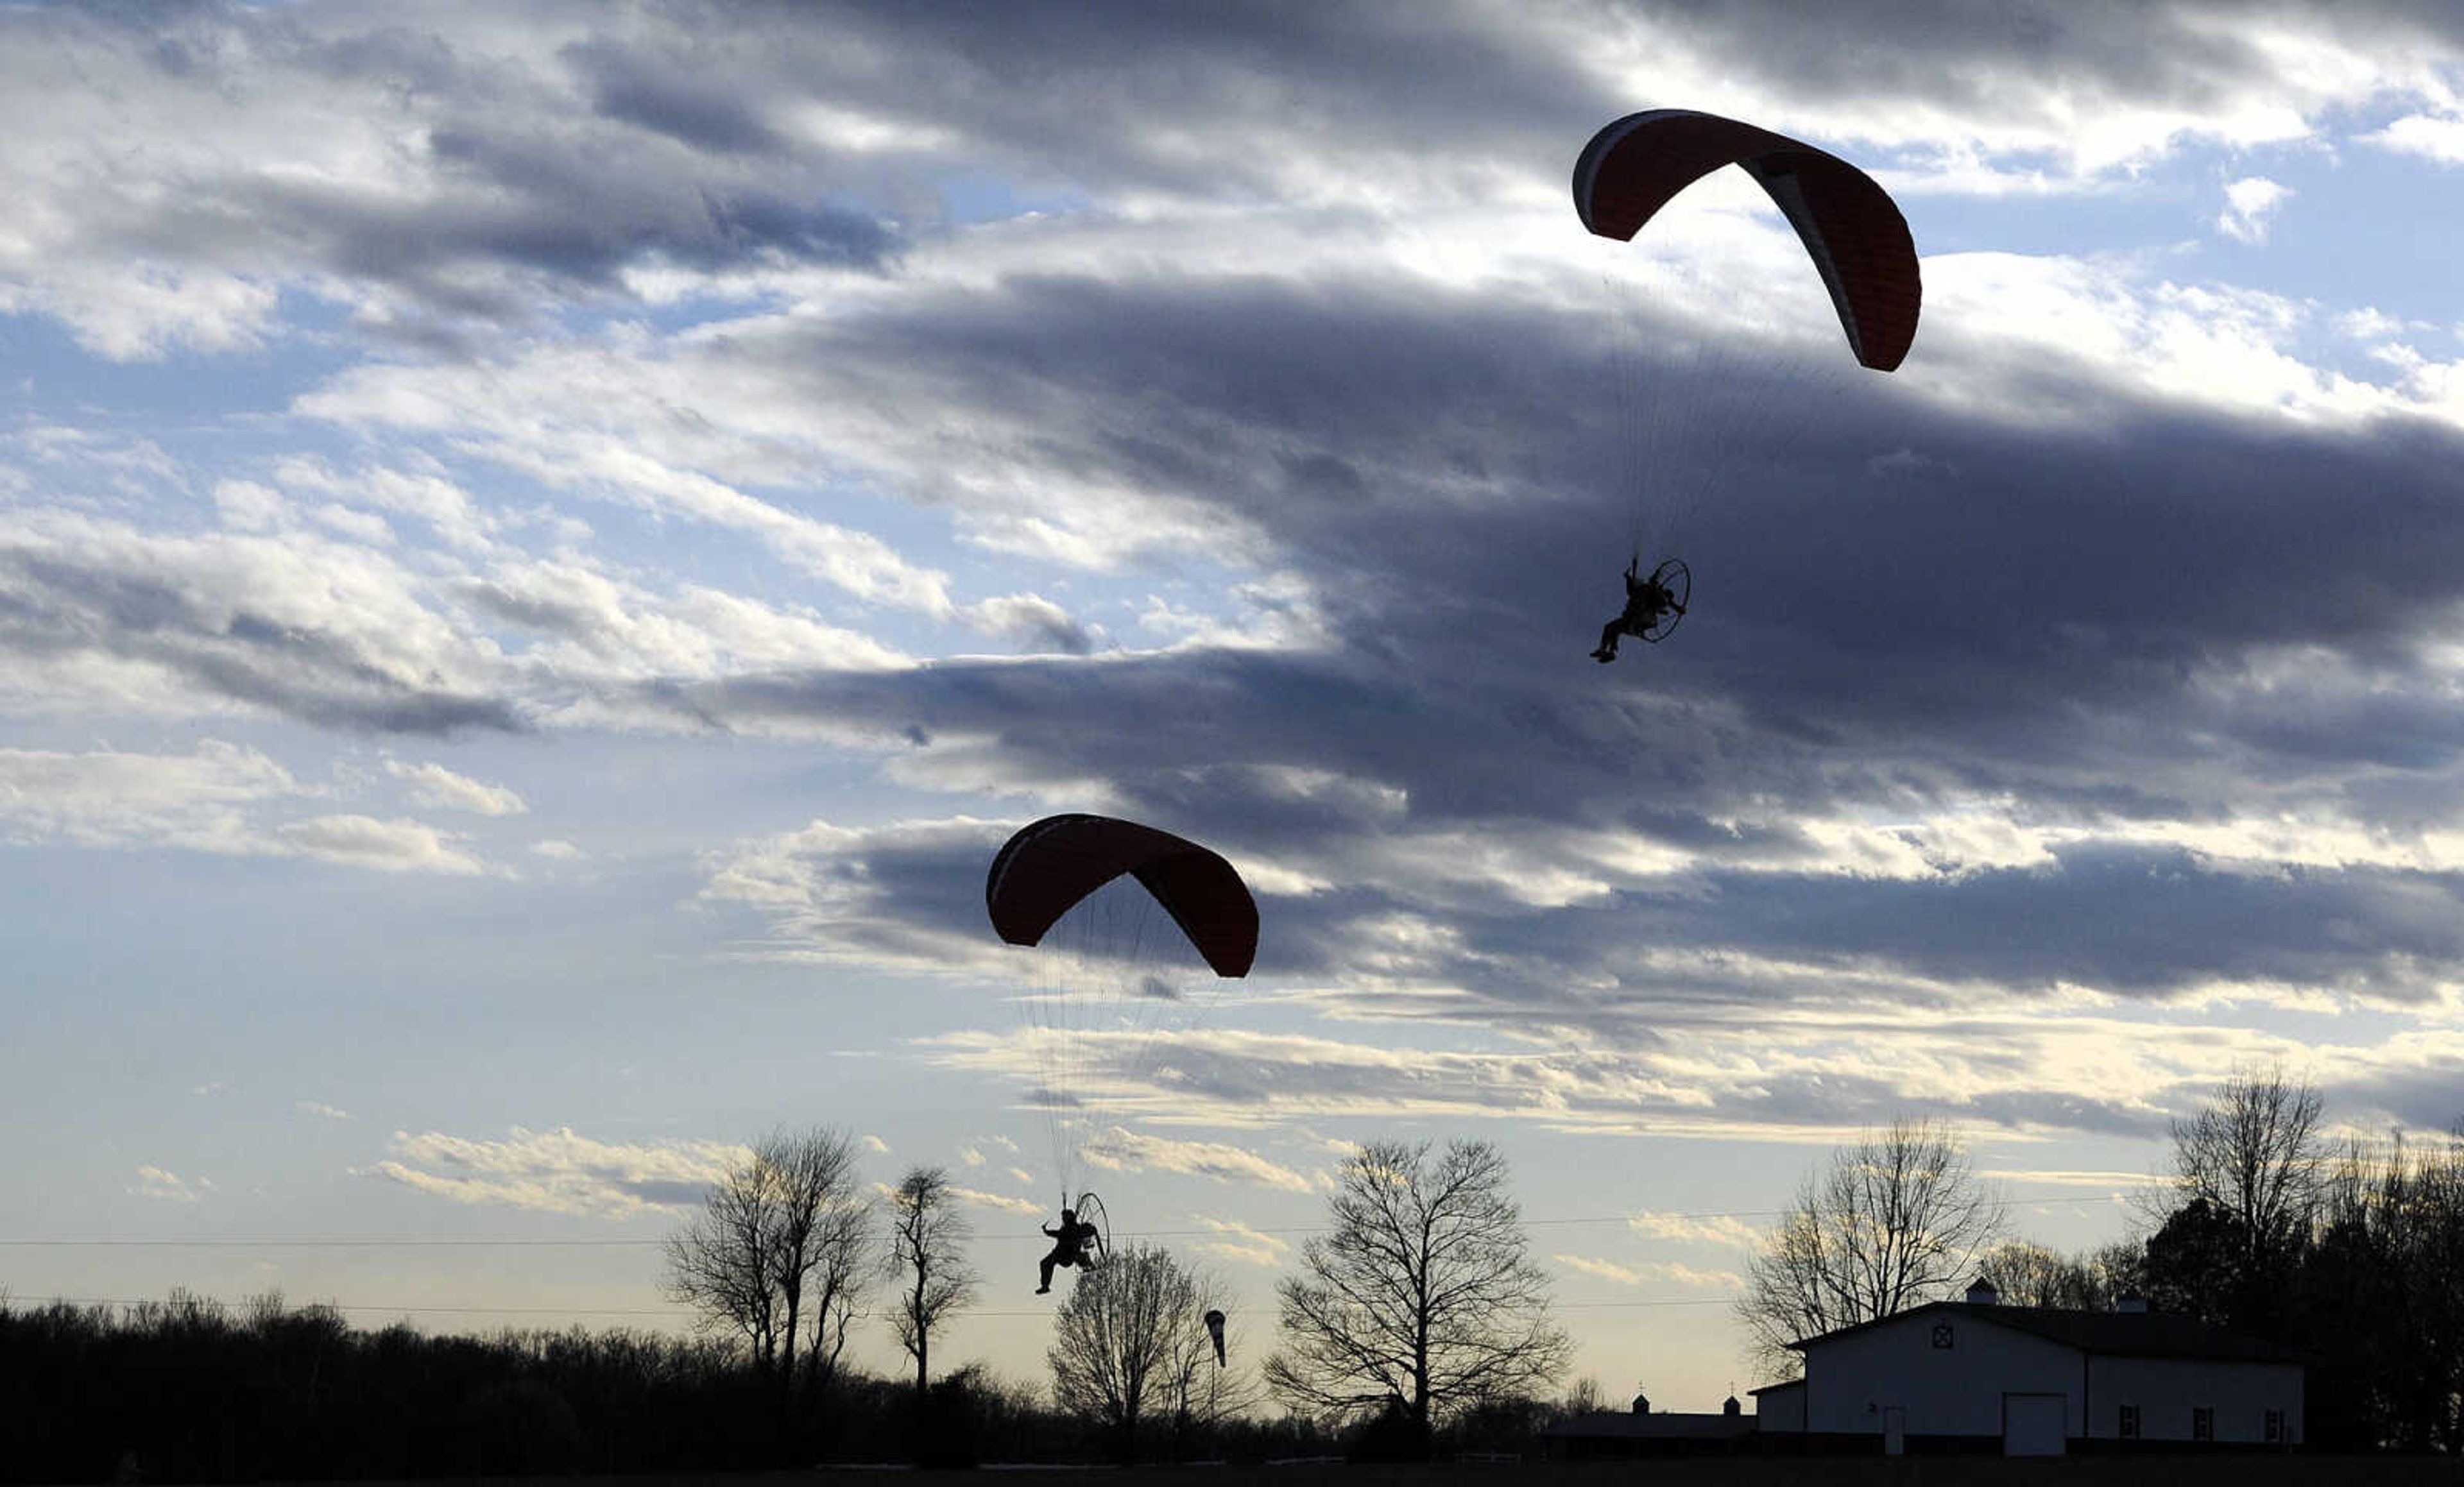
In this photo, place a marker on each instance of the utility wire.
(373, 1242)
(641, 1311)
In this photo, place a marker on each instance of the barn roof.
(2110, 1334)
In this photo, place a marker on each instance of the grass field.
(2150, 1471)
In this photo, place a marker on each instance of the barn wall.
(1956, 1390)
(1780, 1410)
(2165, 1389)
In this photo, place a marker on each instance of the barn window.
(2275, 1427)
(2203, 1423)
(2128, 1427)
(1942, 1334)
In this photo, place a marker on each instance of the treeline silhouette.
(188, 1389)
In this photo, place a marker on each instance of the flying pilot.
(1647, 603)
(1069, 1244)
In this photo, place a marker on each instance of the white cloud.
(1124, 1150)
(2249, 203)
(1244, 1244)
(2435, 136)
(1708, 1229)
(321, 1109)
(559, 1172)
(167, 1187)
(195, 800)
(396, 845)
(435, 786)
(1602, 1268)
(1649, 1272)
(998, 1202)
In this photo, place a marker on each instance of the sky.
(543, 550)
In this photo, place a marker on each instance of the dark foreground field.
(2224, 1471)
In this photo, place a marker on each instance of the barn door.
(2032, 1425)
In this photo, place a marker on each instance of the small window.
(1942, 1334)
(2128, 1426)
(2275, 1427)
(2203, 1423)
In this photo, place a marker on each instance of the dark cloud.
(2092, 619)
(661, 135)
(685, 98)
(56, 608)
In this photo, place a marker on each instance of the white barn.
(2036, 1381)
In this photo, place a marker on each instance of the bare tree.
(1422, 1295)
(1892, 1221)
(827, 1249)
(928, 1251)
(779, 1252)
(2255, 1151)
(2030, 1274)
(1129, 1343)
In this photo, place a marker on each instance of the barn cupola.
(1981, 1293)
(1642, 1404)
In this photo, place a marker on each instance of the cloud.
(2249, 202)
(1704, 1229)
(435, 786)
(196, 800)
(387, 845)
(559, 1172)
(320, 1108)
(1244, 1244)
(1671, 1272)
(2035, 705)
(1119, 1150)
(998, 1202)
(2433, 137)
(1605, 1270)
(167, 1187)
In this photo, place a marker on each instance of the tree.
(1132, 1341)
(927, 1245)
(1897, 1219)
(2195, 1264)
(2253, 1155)
(1422, 1297)
(779, 1252)
(2380, 1300)
(2030, 1274)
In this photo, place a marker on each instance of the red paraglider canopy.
(1050, 864)
(1845, 219)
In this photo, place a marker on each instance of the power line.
(371, 1242)
(643, 1311)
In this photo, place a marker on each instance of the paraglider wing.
(1050, 864)
(1847, 222)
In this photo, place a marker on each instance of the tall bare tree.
(1893, 1221)
(2256, 1152)
(826, 1251)
(1421, 1294)
(1131, 1343)
(927, 1251)
(779, 1254)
